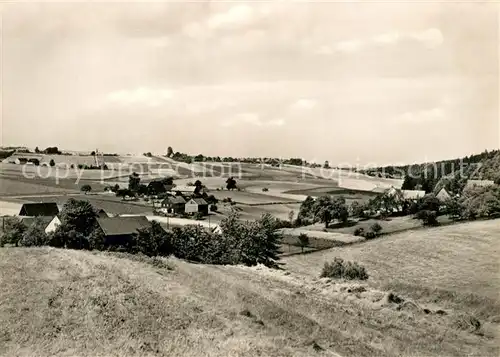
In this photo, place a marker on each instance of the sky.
(349, 82)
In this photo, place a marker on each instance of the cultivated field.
(456, 265)
(62, 302)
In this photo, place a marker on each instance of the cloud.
(349, 46)
(251, 119)
(304, 104)
(141, 95)
(239, 15)
(422, 116)
(430, 38)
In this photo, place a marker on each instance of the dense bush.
(428, 218)
(13, 231)
(376, 228)
(359, 231)
(213, 208)
(249, 243)
(34, 236)
(370, 235)
(339, 269)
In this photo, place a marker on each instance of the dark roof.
(174, 200)
(122, 225)
(39, 209)
(200, 201)
(45, 220)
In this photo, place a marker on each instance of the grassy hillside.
(456, 265)
(62, 302)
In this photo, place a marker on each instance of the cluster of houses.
(443, 195)
(114, 229)
(183, 200)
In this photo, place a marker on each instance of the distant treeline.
(484, 166)
(182, 157)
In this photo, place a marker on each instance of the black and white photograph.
(230, 178)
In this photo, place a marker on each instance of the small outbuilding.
(197, 205)
(174, 204)
(443, 195)
(120, 231)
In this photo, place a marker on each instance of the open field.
(62, 302)
(110, 204)
(457, 265)
(13, 186)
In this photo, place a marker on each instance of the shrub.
(370, 235)
(34, 236)
(339, 269)
(376, 228)
(213, 208)
(428, 218)
(359, 231)
(265, 189)
(198, 216)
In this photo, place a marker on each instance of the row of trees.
(249, 243)
(479, 202)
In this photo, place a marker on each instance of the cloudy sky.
(348, 82)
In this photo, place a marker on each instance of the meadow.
(66, 302)
(456, 266)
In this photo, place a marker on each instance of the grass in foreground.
(64, 302)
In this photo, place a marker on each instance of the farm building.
(45, 221)
(478, 183)
(158, 186)
(174, 204)
(443, 195)
(195, 205)
(51, 227)
(101, 213)
(39, 209)
(412, 194)
(120, 230)
(185, 190)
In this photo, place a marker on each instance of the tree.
(153, 241)
(143, 190)
(357, 209)
(52, 162)
(92, 153)
(326, 209)
(198, 187)
(291, 214)
(78, 215)
(34, 235)
(428, 218)
(306, 209)
(326, 165)
(133, 182)
(86, 188)
(303, 241)
(170, 151)
(408, 183)
(14, 230)
(231, 183)
(37, 150)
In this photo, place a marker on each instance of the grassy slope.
(455, 264)
(62, 302)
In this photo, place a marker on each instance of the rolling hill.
(65, 302)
